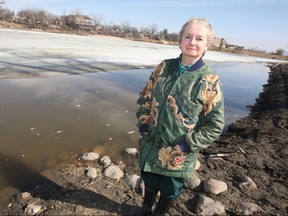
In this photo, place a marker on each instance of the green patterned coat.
(177, 107)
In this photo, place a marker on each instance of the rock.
(106, 161)
(198, 164)
(32, 209)
(90, 156)
(132, 151)
(249, 208)
(214, 186)
(192, 182)
(120, 164)
(92, 172)
(133, 181)
(247, 183)
(207, 206)
(114, 172)
(26, 195)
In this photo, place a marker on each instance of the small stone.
(133, 181)
(192, 182)
(198, 164)
(32, 209)
(247, 183)
(207, 206)
(114, 172)
(90, 156)
(249, 208)
(92, 172)
(214, 186)
(26, 195)
(132, 151)
(120, 164)
(106, 161)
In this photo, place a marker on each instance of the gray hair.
(204, 22)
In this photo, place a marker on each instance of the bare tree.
(150, 31)
(34, 18)
(6, 15)
(126, 26)
(135, 32)
(153, 28)
(97, 19)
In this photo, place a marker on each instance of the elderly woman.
(180, 112)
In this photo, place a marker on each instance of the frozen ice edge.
(34, 52)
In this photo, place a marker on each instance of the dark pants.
(170, 187)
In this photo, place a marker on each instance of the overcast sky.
(254, 24)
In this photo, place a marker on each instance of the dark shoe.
(149, 199)
(163, 205)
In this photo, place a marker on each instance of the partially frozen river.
(45, 120)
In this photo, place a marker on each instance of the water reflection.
(43, 121)
(242, 83)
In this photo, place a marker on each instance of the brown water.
(45, 120)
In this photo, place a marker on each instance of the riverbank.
(253, 148)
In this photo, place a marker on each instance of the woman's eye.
(188, 37)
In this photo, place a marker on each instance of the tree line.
(80, 23)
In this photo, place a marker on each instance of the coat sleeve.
(145, 101)
(211, 119)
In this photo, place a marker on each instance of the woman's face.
(194, 41)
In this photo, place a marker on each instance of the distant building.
(84, 23)
(234, 47)
(81, 23)
(219, 43)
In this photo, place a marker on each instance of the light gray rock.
(90, 156)
(106, 161)
(198, 164)
(26, 195)
(247, 184)
(32, 209)
(214, 186)
(132, 151)
(92, 172)
(193, 182)
(207, 206)
(114, 172)
(249, 208)
(133, 181)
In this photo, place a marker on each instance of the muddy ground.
(255, 146)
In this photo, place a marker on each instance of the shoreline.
(254, 146)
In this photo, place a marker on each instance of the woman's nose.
(193, 41)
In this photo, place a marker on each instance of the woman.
(180, 112)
